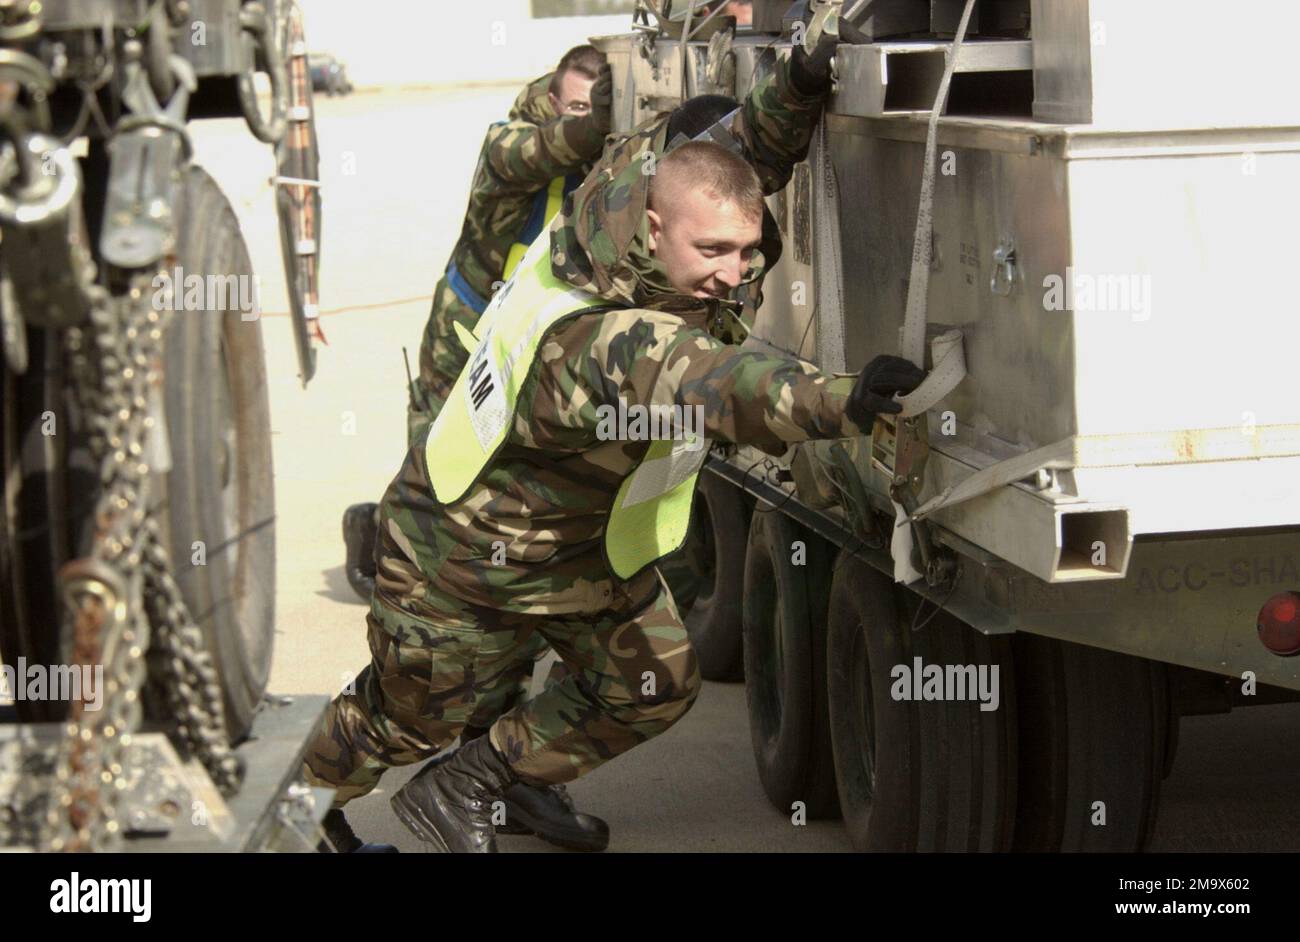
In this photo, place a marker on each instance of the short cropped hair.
(703, 165)
(585, 60)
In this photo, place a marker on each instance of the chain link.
(189, 678)
(124, 588)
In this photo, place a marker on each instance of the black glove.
(873, 393)
(811, 73)
(602, 100)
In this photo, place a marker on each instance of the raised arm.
(527, 155)
(778, 117)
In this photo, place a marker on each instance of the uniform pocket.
(450, 673)
(426, 667)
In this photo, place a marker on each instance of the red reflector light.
(1279, 624)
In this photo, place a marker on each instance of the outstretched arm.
(650, 358)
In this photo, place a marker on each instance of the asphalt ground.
(395, 167)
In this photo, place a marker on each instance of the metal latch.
(1004, 268)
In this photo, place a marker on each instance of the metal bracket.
(147, 148)
(46, 252)
(257, 27)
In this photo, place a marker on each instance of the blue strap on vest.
(537, 218)
(468, 296)
(532, 229)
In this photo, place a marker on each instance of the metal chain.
(113, 365)
(189, 678)
(125, 586)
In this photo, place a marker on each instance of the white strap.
(948, 355)
(1110, 451)
(949, 360)
(1057, 455)
(829, 286)
(918, 287)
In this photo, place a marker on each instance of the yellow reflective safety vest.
(650, 513)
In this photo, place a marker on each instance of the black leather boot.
(360, 527)
(449, 802)
(548, 812)
(343, 840)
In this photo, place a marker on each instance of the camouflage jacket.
(527, 538)
(518, 159)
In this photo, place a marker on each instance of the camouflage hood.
(534, 104)
(600, 242)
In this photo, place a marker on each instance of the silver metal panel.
(619, 51)
(1173, 209)
(755, 60)
(1185, 601)
(647, 75)
(1062, 61)
(1015, 355)
(903, 77)
(1159, 64)
(786, 318)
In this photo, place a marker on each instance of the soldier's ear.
(656, 229)
(555, 103)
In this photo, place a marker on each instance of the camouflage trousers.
(442, 357)
(631, 673)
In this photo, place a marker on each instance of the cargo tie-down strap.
(948, 356)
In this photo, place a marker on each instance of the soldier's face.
(704, 243)
(575, 94)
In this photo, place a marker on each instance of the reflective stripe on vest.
(651, 511)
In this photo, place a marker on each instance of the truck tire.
(220, 490)
(915, 775)
(785, 663)
(1093, 728)
(719, 525)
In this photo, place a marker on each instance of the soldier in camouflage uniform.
(462, 586)
(554, 131)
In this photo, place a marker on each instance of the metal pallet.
(172, 806)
